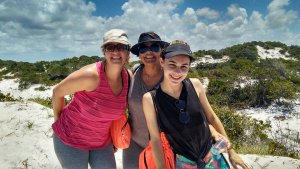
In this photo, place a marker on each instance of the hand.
(217, 136)
(236, 160)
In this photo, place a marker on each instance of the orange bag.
(120, 132)
(146, 160)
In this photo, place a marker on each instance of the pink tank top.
(85, 122)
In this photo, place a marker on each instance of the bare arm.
(150, 115)
(211, 116)
(85, 78)
(214, 120)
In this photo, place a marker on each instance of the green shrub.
(45, 102)
(41, 88)
(241, 128)
(6, 97)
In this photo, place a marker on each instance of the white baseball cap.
(115, 35)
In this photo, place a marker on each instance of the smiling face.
(150, 53)
(176, 68)
(116, 53)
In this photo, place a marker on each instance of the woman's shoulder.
(89, 71)
(147, 96)
(197, 85)
(196, 82)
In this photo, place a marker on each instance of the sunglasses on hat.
(154, 48)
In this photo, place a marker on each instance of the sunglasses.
(184, 117)
(154, 48)
(113, 48)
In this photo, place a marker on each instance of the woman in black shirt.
(183, 113)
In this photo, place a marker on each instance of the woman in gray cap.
(146, 77)
(179, 107)
(82, 128)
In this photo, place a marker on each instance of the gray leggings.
(73, 158)
(131, 156)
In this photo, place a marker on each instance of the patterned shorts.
(215, 162)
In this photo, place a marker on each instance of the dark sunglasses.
(184, 117)
(119, 48)
(154, 48)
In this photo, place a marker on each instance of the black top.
(192, 140)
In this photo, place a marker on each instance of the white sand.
(272, 53)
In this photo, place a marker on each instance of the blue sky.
(35, 30)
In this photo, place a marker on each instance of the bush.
(45, 102)
(6, 97)
(41, 88)
(240, 128)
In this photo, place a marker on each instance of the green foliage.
(294, 51)
(44, 72)
(214, 53)
(45, 102)
(6, 97)
(248, 135)
(246, 50)
(278, 149)
(272, 45)
(41, 88)
(240, 128)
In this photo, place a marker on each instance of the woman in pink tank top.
(82, 128)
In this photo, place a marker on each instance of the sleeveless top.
(139, 129)
(192, 140)
(85, 122)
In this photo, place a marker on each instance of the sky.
(35, 30)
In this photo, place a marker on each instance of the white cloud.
(235, 11)
(44, 27)
(207, 13)
(67, 28)
(256, 21)
(278, 17)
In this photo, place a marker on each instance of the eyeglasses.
(184, 117)
(154, 48)
(119, 48)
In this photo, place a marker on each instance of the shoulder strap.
(128, 87)
(128, 81)
(136, 67)
(188, 81)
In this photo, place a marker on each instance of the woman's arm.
(209, 113)
(85, 78)
(150, 115)
(214, 120)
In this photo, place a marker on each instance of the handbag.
(146, 160)
(120, 132)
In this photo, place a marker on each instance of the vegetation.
(6, 97)
(272, 79)
(44, 72)
(45, 102)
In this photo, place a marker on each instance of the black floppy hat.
(147, 37)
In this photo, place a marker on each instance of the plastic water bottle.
(219, 147)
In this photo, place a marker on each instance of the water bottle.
(219, 147)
